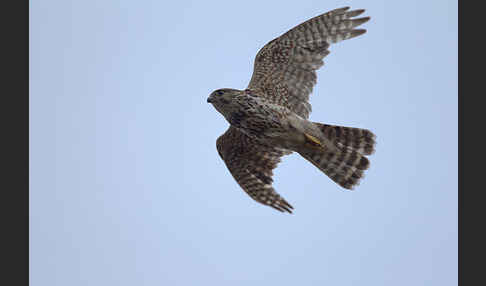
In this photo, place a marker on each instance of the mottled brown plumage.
(251, 163)
(269, 118)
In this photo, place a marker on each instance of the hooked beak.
(209, 100)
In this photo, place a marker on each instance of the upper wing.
(285, 68)
(251, 164)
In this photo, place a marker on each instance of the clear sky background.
(126, 185)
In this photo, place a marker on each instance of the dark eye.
(219, 92)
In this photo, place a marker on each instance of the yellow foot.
(313, 140)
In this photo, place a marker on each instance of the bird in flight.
(269, 119)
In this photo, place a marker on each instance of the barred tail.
(360, 140)
(345, 167)
(346, 163)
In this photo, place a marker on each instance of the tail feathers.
(345, 167)
(360, 140)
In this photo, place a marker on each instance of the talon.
(313, 139)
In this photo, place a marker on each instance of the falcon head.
(222, 99)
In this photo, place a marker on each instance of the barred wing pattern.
(285, 68)
(251, 165)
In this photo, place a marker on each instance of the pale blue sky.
(127, 188)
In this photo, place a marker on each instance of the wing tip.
(356, 32)
(282, 206)
(340, 10)
(360, 21)
(355, 13)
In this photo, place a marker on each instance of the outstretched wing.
(251, 164)
(285, 68)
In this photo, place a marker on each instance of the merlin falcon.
(269, 119)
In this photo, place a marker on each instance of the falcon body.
(261, 119)
(269, 118)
